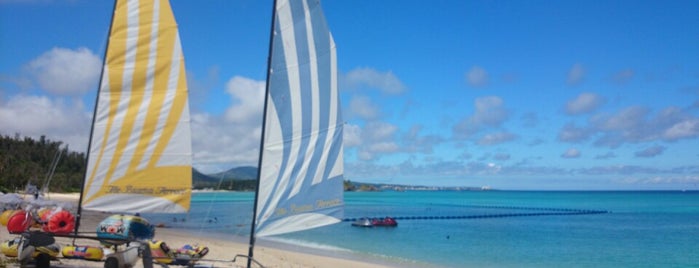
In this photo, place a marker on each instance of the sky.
(517, 95)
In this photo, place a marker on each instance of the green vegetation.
(25, 160)
(349, 186)
(228, 185)
(359, 187)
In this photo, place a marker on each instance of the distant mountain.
(245, 179)
(235, 179)
(379, 187)
(201, 177)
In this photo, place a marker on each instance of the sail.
(301, 171)
(139, 157)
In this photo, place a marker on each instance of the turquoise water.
(643, 229)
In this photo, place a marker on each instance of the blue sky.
(510, 94)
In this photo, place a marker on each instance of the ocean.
(485, 228)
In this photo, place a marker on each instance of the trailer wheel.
(111, 262)
(43, 261)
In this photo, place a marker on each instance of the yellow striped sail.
(139, 159)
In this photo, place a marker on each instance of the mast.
(49, 175)
(92, 124)
(262, 138)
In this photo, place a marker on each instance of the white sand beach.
(219, 248)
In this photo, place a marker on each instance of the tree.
(24, 160)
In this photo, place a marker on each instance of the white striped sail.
(139, 159)
(301, 172)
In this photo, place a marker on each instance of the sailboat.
(139, 154)
(301, 154)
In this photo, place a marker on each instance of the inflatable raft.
(58, 221)
(19, 222)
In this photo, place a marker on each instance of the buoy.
(59, 222)
(83, 252)
(5, 216)
(19, 222)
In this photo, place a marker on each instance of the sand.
(220, 249)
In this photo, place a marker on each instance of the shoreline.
(269, 253)
(285, 246)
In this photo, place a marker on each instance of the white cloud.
(637, 124)
(688, 128)
(414, 142)
(386, 82)
(571, 133)
(657, 180)
(608, 155)
(352, 135)
(477, 77)
(65, 71)
(627, 118)
(377, 138)
(489, 112)
(383, 147)
(365, 155)
(496, 138)
(502, 156)
(623, 76)
(232, 139)
(650, 151)
(37, 116)
(576, 74)
(379, 131)
(248, 98)
(571, 153)
(364, 108)
(219, 145)
(584, 103)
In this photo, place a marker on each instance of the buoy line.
(543, 212)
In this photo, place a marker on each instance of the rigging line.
(78, 214)
(211, 202)
(47, 181)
